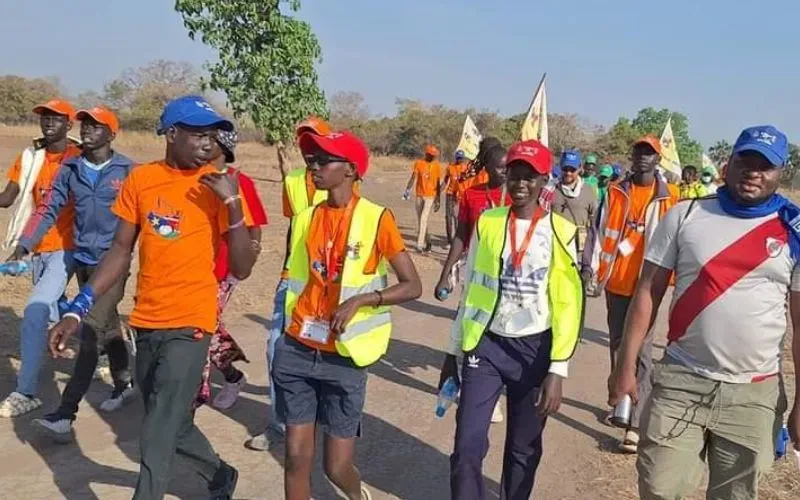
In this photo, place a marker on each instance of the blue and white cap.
(767, 140)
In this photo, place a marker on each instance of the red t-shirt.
(259, 214)
(475, 201)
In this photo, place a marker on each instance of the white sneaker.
(230, 391)
(17, 404)
(274, 434)
(117, 399)
(365, 494)
(497, 413)
(630, 444)
(60, 429)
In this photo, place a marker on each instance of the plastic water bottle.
(442, 294)
(14, 268)
(406, 195)
(447, 395)
(782, 443)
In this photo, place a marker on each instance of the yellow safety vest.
(297, 191)
(366, 336)
(564, 288)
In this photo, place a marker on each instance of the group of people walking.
(525, 243)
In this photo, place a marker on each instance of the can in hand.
(622, 413)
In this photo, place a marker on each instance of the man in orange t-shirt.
(315, 385)
(178, 209)
(51, 262)
(428, 176)
(454, 171)
(632, 210)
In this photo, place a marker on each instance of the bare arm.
(240, 257)
(794, 415)
(456, 250)
(9, 194)
(411, 181)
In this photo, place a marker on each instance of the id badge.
(316, 330)
(625, 247)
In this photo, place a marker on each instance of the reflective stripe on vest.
(564, 288)
(297, 191)
(366, 337)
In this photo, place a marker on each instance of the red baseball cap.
(102, 116)
(342, 144)
(533, 153)
(58, 106)
(651, 141)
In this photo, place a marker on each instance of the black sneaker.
(224, 483)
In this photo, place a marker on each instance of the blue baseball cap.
(571, 158)
(460, 155)
(193, 111)
(767, 140)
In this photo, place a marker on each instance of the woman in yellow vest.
(522, 317)
(337, 313)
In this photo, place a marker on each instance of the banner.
(669, 150)
(470, 139)
(535, 124)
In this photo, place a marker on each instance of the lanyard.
(518, 253)
(331, 235)
(489, 199)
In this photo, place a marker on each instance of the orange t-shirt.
(180, 222)
(58, 237)
(429, 174)
(319, 298)
(625, 274)
(454, 171)
(311, 189)
(482, 177)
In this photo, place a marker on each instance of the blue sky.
(726, 64)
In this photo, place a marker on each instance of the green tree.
(266, 62)
(616, 143)
(652, 121)
(720, 152)
(19, 95)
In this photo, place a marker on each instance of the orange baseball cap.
(101, 115)
(313, 124)
(651, 141)
(58, 106)
(431, 150)
(342, 144)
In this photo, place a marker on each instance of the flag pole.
(538, 88)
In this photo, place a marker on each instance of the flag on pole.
(708, 163)
(669, 150)
(470, 139)
(535, 124)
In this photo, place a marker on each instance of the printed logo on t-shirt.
(774, 247)
(165, 220)
(116, 184)
(353, 252)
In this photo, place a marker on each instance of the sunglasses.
(322, 159)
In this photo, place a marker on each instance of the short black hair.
(494, 154)
(689, 169)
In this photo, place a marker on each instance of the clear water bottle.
(442, 294)
(782, 443)
(14, 268)
(447, 395)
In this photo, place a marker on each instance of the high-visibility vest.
(564, 286)
(366, 337)
(614, 226)
(297, 191)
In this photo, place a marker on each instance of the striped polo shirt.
(732, 277)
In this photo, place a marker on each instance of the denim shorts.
(313, 386)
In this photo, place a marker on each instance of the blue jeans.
(51, 273)
(275, 333)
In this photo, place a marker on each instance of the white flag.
(470, 139)
(669, 150)
(535, 124)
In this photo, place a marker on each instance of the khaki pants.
(424, 206)
(691, 420)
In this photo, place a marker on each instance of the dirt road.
(404, 451)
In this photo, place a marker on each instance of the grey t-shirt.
(580, 210)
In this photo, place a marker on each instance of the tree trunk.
(283, 159)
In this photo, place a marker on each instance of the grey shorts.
(313, 386)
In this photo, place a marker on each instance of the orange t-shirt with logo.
(181, 222)
(454, 171)
(481, 177)
(58, 237)
(429, 174)
(626, 271)
(320, 298)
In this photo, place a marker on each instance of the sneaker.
(497, 414)
(17, 404)
(268, 438)
(58, 427)
(230, 391)
(118, 398)
(365, 494)
(224, 482)
(631, 442)
(607, 418)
